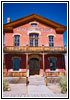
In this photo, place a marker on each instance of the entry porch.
(17, 65)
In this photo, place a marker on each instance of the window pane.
(15, 44)
(50, 38)
(31, 42)
(52, 44)
(49, 44)
(31, 35)
(36, 42)
(36, 35)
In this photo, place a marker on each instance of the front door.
(34, 66)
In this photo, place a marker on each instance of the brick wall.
(43, 38)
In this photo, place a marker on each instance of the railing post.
(46, 81)
(26, 81)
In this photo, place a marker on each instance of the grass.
(63, 84)
(5, 84)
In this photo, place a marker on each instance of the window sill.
(20, 70)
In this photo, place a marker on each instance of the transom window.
(51, 41)
(34, 25)
(16, 38)
(33, 40)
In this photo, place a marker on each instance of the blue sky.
(56, 12)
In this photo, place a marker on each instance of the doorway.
(34, 66)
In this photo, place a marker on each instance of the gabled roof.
(9, 26)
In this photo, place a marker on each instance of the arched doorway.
(34, 66)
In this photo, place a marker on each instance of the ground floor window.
(52, 64)
(16, 64)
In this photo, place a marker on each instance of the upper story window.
(33, 40)
(51, 41)
(34, 25)
(16, 40)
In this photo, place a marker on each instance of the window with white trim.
(51, 41)
(33, 40)
(16, 40)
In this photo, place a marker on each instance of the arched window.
(33, 40)
(16, 40)
(51, 41)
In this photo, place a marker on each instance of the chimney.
(8, 20)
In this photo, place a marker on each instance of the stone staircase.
(36, 80)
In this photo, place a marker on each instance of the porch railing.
(33, 49)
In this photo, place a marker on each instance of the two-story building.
(33, 43)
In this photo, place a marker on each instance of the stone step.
(38, 83)
(36, 80)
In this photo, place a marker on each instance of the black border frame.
(2, 48)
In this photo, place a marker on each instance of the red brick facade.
(43, 37)
(44, 33)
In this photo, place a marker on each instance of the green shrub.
(63, 84)
(5, 84)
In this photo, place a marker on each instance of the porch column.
(26, 62)
(27, 69)
(43, 63)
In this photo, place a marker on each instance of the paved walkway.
(34, 89)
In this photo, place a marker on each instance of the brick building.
(33, 43)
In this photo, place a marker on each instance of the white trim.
(34, 22)
(51, 35)
(11, 70)
(33, 32)
(16, 34)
